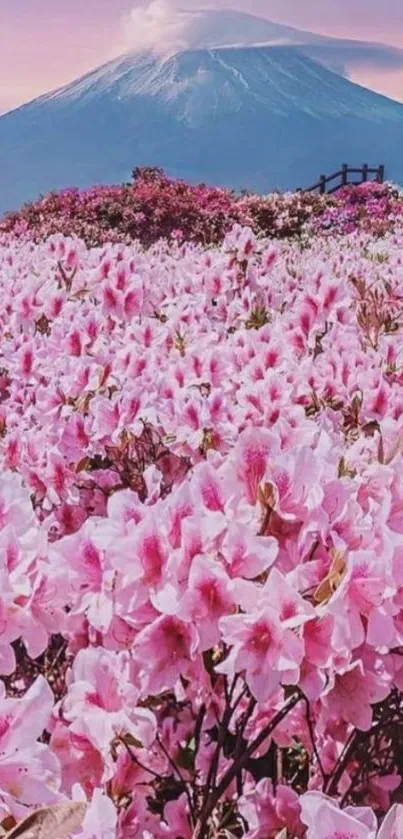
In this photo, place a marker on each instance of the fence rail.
(342, 176)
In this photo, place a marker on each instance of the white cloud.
(158, 26)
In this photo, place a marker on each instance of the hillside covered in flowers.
(201, 513)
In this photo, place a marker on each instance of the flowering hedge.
(201, 528)
(155, 207)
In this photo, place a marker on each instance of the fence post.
(322, 184)
(364, 172)
(344, 173)
(381, 174)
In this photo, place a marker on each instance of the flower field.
(201, 524)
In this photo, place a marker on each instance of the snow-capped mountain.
(252, 117)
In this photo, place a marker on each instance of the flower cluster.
(201, 528)
(372, 207)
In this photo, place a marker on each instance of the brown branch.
(223, 729)
(313, 741)
(239, 763)
(198, 728)
(179, 773)
(331, 786)
(135, 759)
(266, 521)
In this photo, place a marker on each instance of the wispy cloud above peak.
(159, 26)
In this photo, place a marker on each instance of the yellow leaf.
(267, 495)
(333, 579)
(57, 822)
(83, 464)
(132, 741)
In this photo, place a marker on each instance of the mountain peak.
(196, 84)
(203, 28)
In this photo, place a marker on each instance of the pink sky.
(45, 43)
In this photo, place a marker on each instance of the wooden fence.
(343, 179)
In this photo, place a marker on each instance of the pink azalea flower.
(268, 812)
(100, 819)
(29, 773)
(164, 650)
(351, 823)
(352, 692)
(293, 610)
(253, 451)
(210, 595)
(392, 825)
(248, 555)
(262, 648)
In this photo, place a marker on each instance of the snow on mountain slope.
(254, 117)
(194, 84)
(211, 28)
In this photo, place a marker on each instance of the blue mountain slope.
(253, 117)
